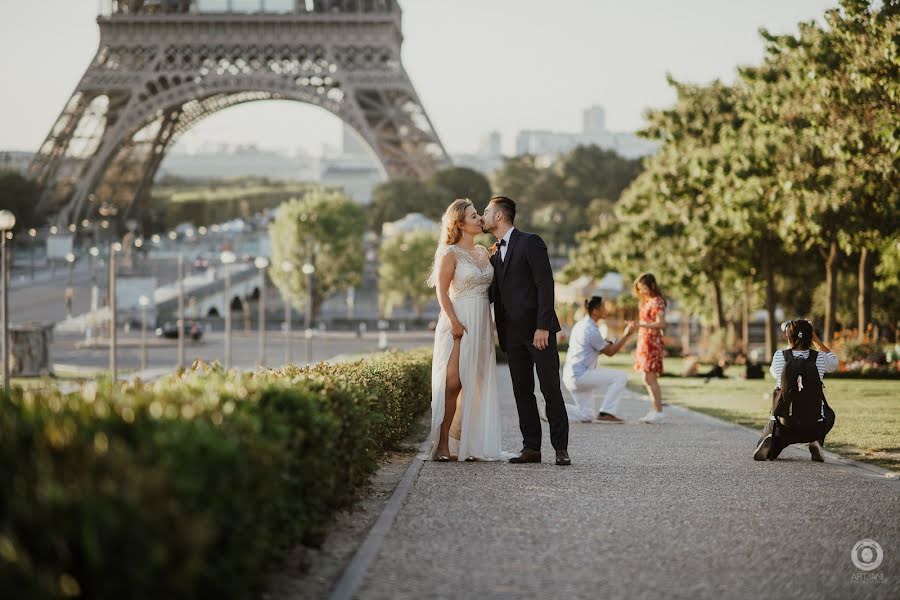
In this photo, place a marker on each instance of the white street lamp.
(113, 248)
(33, 234)
(143, 301)
(180, 320)
(309, 270)
(7, 222)
(70, 291)
(227, 257)
(286, 267)
(262, 263)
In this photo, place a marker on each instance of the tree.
(393, 199)
(837, 98)
(19, 195)
(463, 182)
(559, 199)
(406, 261)
(325, 229)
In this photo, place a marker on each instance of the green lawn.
(868, 411)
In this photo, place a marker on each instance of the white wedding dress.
(475, 432)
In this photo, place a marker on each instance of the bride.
(465, 413)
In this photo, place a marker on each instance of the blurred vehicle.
(169, 330)
(201, 262)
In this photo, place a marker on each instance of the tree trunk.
(830, 291)
(718, 311)
(864, 300)
(745, 320)
(769, 279)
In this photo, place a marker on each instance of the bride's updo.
(450, 233)
(453, 216)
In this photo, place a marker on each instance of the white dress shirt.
(826, 362)
(505, 246)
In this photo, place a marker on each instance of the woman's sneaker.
(652, 417)
(815, 450)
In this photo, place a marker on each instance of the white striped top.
(826, 362)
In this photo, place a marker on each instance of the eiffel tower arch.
(164, 65)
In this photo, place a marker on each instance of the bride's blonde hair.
(450, 232)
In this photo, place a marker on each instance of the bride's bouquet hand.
(457, 329)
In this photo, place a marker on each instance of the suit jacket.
(522, 290)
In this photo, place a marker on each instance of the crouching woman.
(800, 413)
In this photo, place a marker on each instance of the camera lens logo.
(867, 555)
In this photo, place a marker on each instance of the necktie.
(502, 243)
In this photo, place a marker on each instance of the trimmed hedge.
(188, 487)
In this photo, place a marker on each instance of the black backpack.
(801, 404)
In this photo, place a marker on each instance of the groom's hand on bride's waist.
(541, 339)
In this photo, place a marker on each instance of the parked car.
(169, 329)
(201, 262)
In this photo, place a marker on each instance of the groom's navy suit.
(522, 293)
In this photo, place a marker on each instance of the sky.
(477, 65)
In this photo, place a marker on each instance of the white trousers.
(584, 390)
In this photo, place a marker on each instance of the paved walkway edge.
(886, 475)
(355, 573)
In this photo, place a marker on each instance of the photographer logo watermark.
(867, 556)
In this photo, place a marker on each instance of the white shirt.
(826, 362)
(505, 246)
(585, 345)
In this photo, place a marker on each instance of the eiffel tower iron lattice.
(164, 65)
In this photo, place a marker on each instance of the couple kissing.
(515, 278)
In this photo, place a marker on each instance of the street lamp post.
(180, 319)
(70, 291)
(143, 301)
(262, 263)
(32, 233)
(7, 222)
(309, 270)
(113, 248)
(227, 257)
(287, 266)
(95, 295)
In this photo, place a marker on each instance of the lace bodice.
(474, 272)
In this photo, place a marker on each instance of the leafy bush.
(187, 487)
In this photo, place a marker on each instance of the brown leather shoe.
(562, 458)
(526, 456)
(605, 418)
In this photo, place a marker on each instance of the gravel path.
(678, 510)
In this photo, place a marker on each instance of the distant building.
(411, 223)
(12, 160)
(487, 159)
(352, 168)
(549, 144)
(236, 161)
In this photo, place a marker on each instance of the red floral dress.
(648, 357)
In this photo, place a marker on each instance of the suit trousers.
(524, 359)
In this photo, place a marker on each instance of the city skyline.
(539, 70)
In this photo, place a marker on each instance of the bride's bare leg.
(452, 390)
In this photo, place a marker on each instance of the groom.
(522, 293)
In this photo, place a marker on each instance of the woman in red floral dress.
(648, 357)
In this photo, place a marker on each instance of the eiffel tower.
(163, 65)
